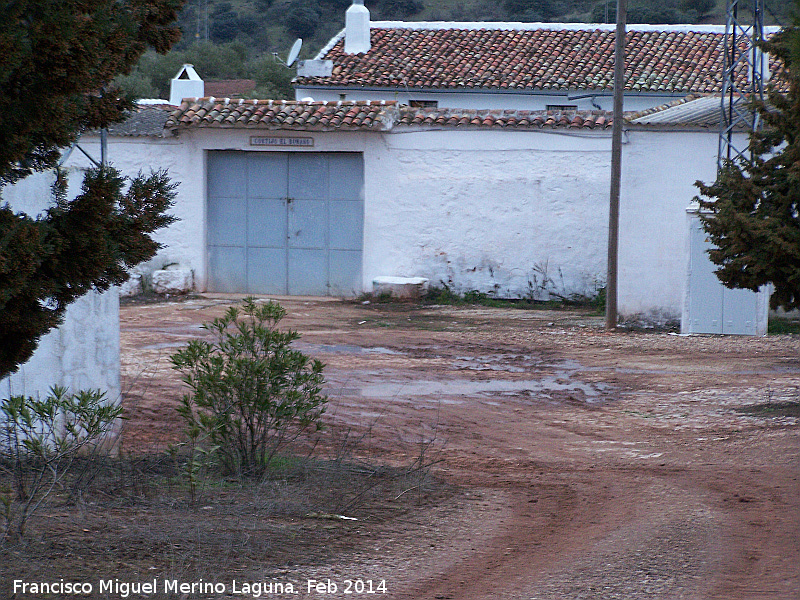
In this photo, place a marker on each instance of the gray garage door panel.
(266, 271)
(308, 176)
(345, 272)
(308, 272)
(227, 268)
(283, 222)
(220, 182)
(307, 224)
(345, 225)
(342, 184)
(266, 222)
(267, 175)
(227, 221)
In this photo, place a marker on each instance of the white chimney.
(186, 84)
(356, 28)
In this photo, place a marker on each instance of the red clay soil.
(598, 465)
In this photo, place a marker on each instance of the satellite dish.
(294, 52)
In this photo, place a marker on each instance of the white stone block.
(400, 287)
(132, 287)
(173, 281)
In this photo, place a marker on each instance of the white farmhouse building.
(475, 155)
(322, 198)
(522, 66)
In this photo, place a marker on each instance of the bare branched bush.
(40, 441)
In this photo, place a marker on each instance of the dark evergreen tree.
(754, 207)
(58, 59)
(301, 18)
(533, 10)
(395, 10)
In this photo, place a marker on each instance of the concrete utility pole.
(616, 166)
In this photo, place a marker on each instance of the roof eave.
(517, 92)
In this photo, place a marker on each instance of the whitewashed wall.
(493, 211)
(185, 239)
(84, 352)
(489, 210)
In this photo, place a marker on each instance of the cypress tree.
(57, 61)
(752, 210)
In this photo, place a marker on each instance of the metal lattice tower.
(746, 71)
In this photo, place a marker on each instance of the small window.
(562, 107)
(424, 103)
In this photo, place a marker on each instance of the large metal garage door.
(285, 223)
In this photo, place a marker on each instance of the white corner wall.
(659, 169)
(183, 240)
(83, 353)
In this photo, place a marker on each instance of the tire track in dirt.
(563, 539)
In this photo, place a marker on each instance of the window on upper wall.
(562, 107)
(423, 103)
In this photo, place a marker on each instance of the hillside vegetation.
(236, 39)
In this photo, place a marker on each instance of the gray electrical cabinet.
(709, 306)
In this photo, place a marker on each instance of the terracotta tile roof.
(672, 60)
(516, 119)
(371, 116)
(279, 114)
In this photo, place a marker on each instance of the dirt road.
(593, 465)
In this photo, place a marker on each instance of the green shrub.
(442, 295)
(251, 393)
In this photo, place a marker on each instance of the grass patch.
(783, 326)
(445, 296)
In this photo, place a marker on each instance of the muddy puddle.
(543, 381)
(458, 390)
